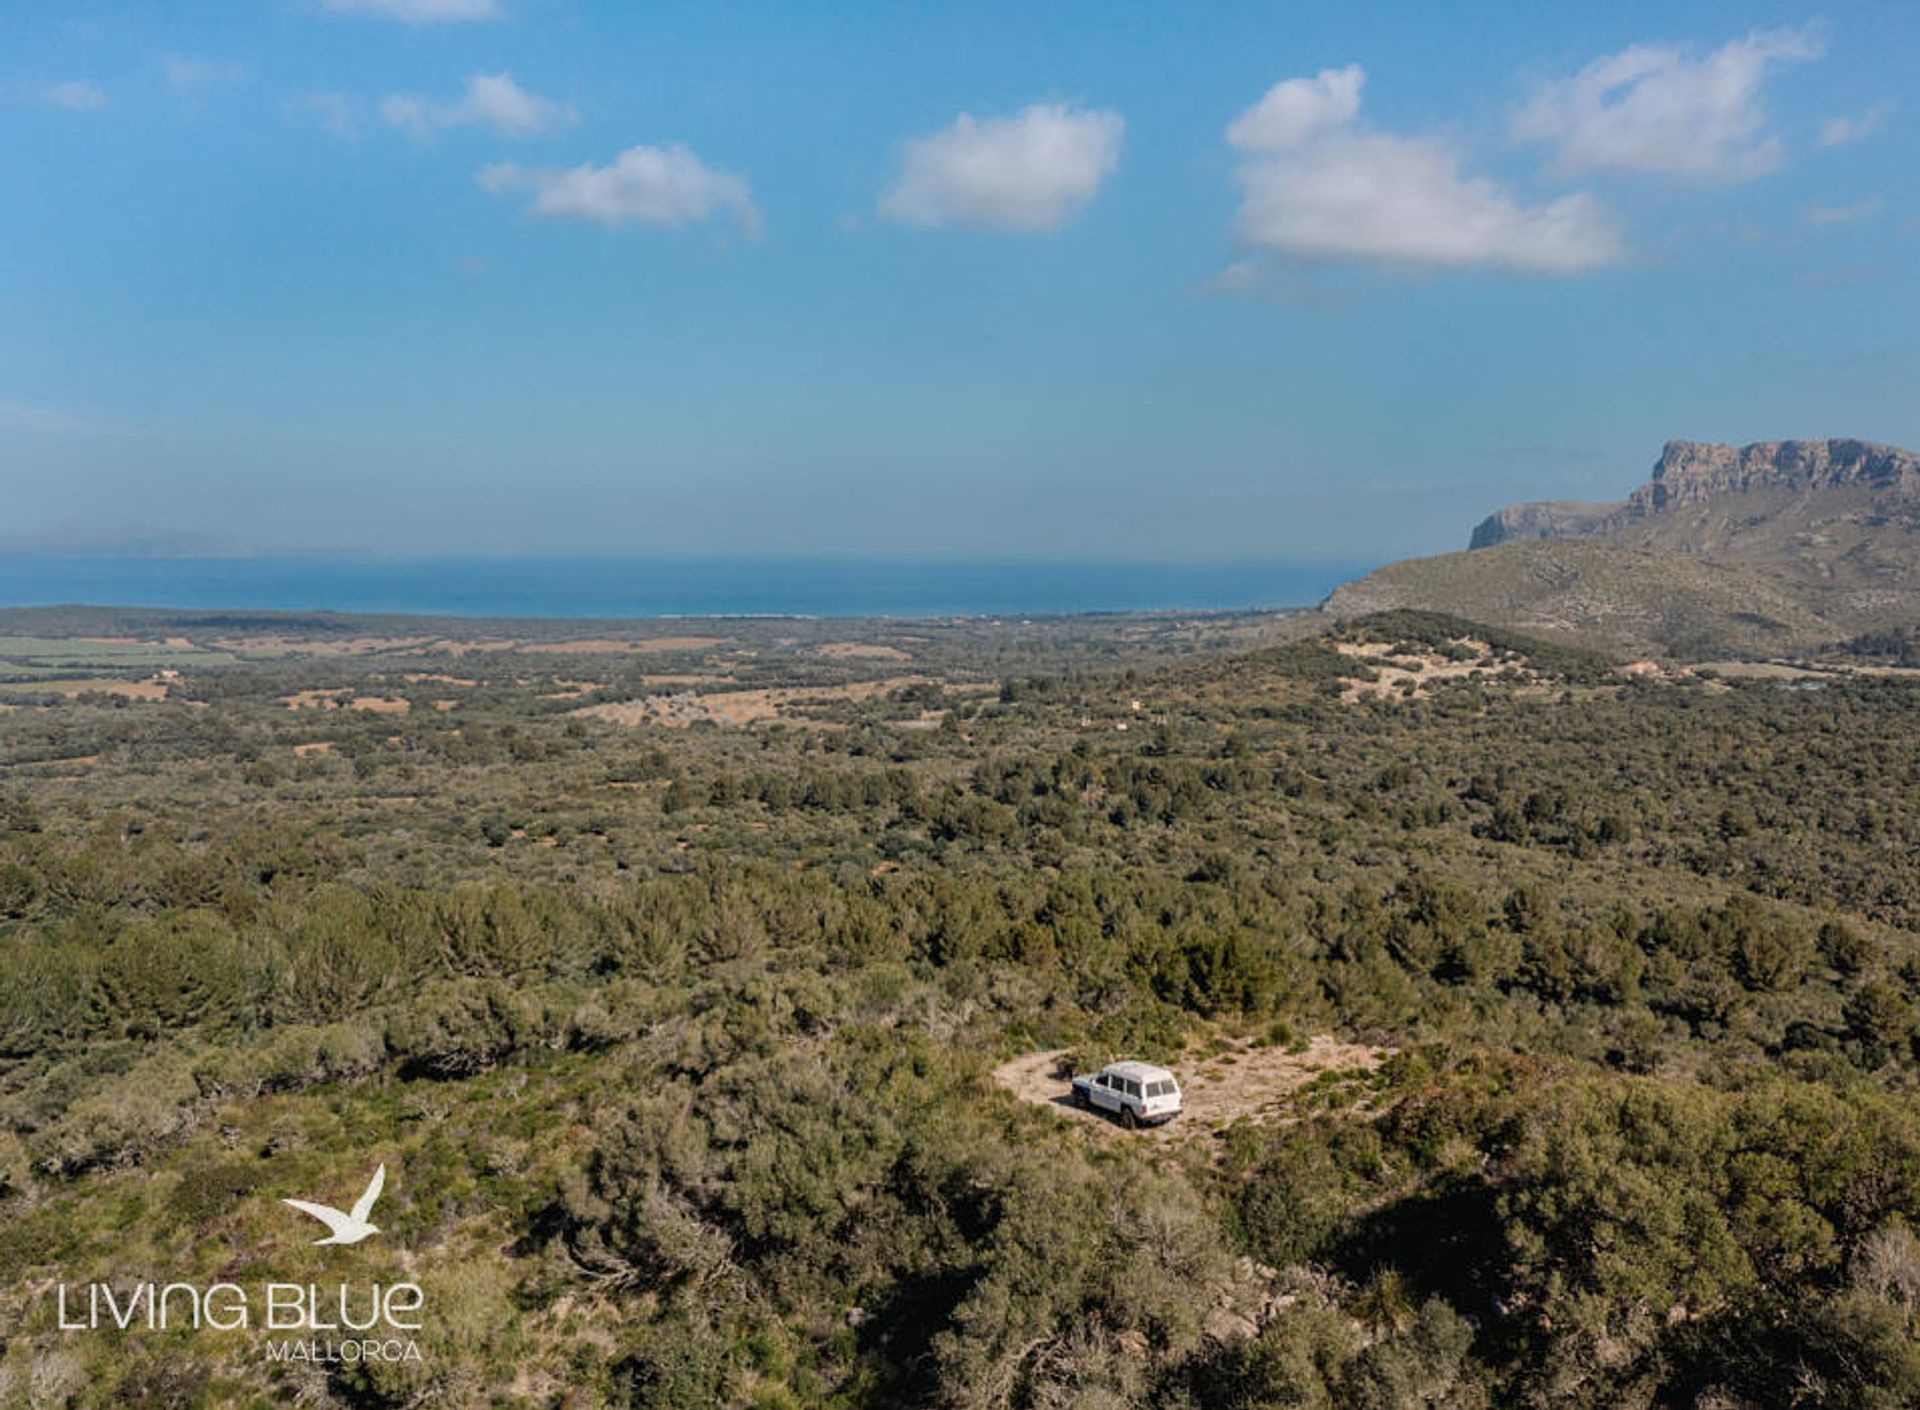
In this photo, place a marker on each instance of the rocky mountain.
(1690, 473)
(1549, 519)
(1812, 483)
(1773, 548)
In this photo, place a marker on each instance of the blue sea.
(660, 587)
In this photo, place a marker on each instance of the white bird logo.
(351, 1227)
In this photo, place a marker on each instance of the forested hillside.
(673, 1023)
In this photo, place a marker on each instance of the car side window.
(1132, 1087)
(1102, 1080)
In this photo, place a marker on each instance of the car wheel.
(1080, 1098)
(1128, 1119)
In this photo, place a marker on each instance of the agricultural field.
(40, 658)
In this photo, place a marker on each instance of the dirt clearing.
(346, 700)
(1218, 1088)
(860, 651)
(609, 646)
(1399, 672)
(747, 707)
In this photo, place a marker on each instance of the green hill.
(1618, 599)
(1779, 548)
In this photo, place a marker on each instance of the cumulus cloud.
(1842, 215)
(339, 115)
(667, 186)
(1841, 131)
(186, 73)
(1240, 277)
(491, 100)
(1653, 109)
(1299, 108)
(418, 11)
(1316, 186)
(1032, 171)
(73, 97)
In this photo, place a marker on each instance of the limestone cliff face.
(1691, 472)
(1763, 550)
(1553, 519)
(1696, 474)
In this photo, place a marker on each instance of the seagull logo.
(351, 1227)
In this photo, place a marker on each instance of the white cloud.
(1652, 109)
(491, 100)
(642, 186)
(1032, 171)
(339, 115)
(1842, 215)
(419, 11)
(186, 73)
(1840, 131)
(1240, 277)
(73, 97)
(1299, 108)
(1374, 196)
(1317, 187)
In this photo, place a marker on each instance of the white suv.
(1139, 1093)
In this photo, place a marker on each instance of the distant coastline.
(661, 587)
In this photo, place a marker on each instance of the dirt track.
(1218, 1089)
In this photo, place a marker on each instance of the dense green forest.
(678, 1039)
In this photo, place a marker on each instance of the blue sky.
(1099, 281)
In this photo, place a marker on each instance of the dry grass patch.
(609, 646)
(344, 700)
(1218, 1086)
(860, 651)
(740, 707)
(1400, 670)
(279, 644)
(149, 690)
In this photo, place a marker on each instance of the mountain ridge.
(1693, 474)
(1775, 547)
